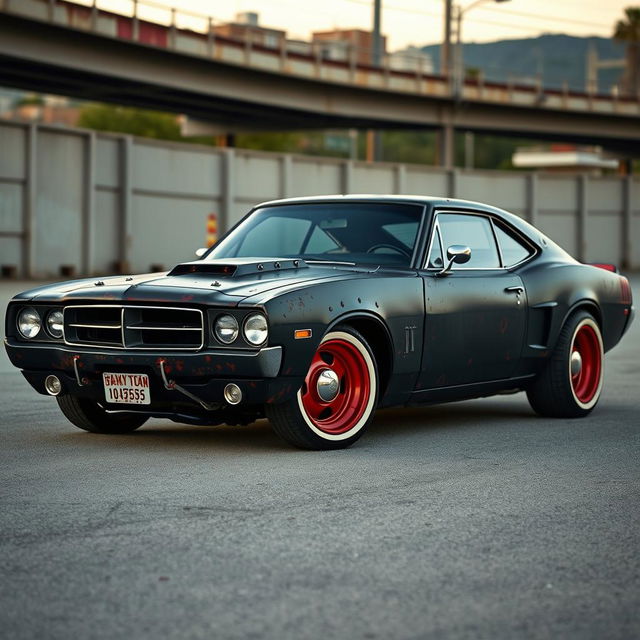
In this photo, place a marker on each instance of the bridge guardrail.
(185, 32)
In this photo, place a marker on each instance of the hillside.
(556, 57)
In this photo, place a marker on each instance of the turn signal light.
(300, 334)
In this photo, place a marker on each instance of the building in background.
(564, 158)
(342, 44)
(246, 28)
(411, 59)
(44, 109)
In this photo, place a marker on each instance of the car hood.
(224, 283)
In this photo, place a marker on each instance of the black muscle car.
(313, 312)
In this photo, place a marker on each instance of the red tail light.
(625, 291)
(605, 266)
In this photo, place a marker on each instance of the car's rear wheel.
(88, 415)
(337, 399)
(571, 383)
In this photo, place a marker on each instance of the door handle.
(517, 289)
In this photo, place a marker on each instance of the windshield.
(371, 233)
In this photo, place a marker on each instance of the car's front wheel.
(90, 416)
(571, 382)
(337, 399)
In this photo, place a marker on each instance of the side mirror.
(458, 254)
(200, 252)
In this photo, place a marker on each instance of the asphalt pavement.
(469, 520)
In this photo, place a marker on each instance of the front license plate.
(126, 388)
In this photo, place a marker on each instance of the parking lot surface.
(469, 520)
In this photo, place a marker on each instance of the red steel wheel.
(570, 384)
(337, 399)
(337, 389)
(585, 363)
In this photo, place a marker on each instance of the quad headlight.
(29, 322)
(255, 329)
(55, 323)
(226, 328)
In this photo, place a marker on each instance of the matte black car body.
(435, 337)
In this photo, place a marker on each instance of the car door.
(475, 316)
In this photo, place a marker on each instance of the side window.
(471, 231)
(512, 249)
(435, 255)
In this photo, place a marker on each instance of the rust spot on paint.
(504, 325)
(179, 365)
(207, 358)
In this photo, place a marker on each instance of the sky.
(409, 22)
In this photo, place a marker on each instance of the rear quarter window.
(512, 248)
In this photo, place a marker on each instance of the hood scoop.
(237, 267)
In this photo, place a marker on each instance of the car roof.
(434, 201)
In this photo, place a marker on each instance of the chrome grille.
(134, 327)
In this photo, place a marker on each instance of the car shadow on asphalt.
(412, 422)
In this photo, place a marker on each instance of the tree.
(628, 32)
(138, 122)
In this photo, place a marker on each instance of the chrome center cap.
(576, 363)
(328, 385)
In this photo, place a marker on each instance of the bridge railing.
(150, 23)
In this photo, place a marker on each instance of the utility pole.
(594, 64)
(376, 59)
(445, 48)
(377, 38)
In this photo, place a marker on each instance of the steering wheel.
(392, 247)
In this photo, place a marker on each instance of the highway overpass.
(58, 47)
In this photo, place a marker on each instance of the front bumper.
(204, 374)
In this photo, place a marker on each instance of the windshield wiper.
(350, 264)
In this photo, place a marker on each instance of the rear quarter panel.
(571, 285)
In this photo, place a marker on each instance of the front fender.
(394, 302)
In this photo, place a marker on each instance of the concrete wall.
(98, 202)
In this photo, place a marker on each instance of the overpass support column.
(445, 146)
